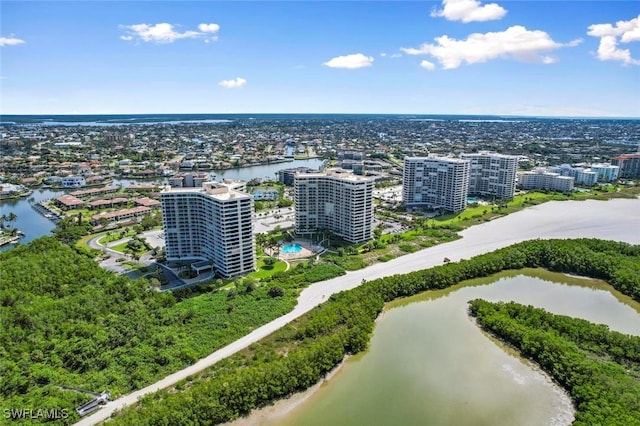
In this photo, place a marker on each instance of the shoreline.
(272, 413)
(612, 220)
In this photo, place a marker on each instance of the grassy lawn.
(469, 214)
(84, 241)
(263, 272)
(138, 267)
(86, 213)
(123, 246)
(115, 236)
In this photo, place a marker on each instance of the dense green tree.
(299, 354)
(597, 366)
(66, 321)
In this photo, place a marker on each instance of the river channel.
(429, 364)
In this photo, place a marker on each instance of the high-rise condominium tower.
(212, 222)
(435, 183)
(335, 200)
(492, 174)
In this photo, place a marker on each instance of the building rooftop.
(438, 158)
(627, 156)
(146, 201)
(492, 154)
(341, 174)
(118, 213)
(91, 191)
(69, 200)
(220, 191)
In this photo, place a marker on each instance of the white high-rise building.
(335, 200)
(435, 183)
(492, 174)
(210, 223)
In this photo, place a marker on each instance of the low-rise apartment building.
(73, 182)
(606, 172)
(542, 179)
(581, 175)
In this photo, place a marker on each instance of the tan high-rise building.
(435, 183)
(335, 200)
(211, 223)
(629, 165)
(492, 174)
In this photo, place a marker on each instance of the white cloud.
(625, 31)
(515, 42)
(383, 54)
(356, 60)
(209, 28)
(166, 33)
(427, 65)
(10, 41)
(469, 11)
(233, 84)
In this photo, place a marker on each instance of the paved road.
(614, 220)
(111, 263)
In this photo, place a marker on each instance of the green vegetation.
(351, 257)
(302, 352)
(600, 368)
(265, 270)
(66, 321)
(135, 246)
(349, 263)
(111, 236)
(407, 248)
(70, 229)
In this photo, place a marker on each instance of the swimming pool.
(291, 248)
(471, 200)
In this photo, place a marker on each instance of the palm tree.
(11, 217)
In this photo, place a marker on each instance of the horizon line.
(610, 117)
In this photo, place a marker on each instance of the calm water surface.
(267, 171)
(29, 221)
(429, 364)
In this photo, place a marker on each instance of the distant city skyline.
(520, 58)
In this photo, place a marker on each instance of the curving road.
(614, 220)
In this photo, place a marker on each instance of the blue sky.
(553, 58)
